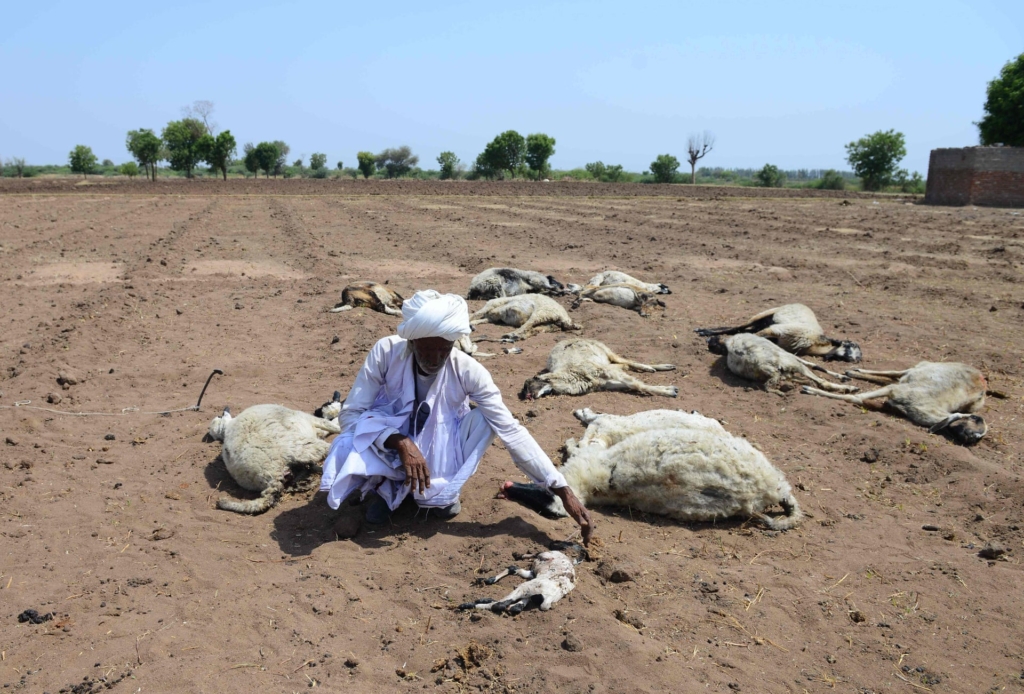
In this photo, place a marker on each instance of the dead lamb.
(676, 464)
(551, 576)
(370, 295)
(795, 328)
(578, 366)
(266, 444)
(939, 395)
(757, 359)
(530, 314)
(496, 282)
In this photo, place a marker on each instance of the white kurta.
(381, 402)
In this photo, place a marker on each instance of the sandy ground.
(137, 293)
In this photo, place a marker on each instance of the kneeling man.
(406, 425)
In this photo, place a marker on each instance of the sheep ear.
(337, 396)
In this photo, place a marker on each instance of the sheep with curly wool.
(530, 314)
(265, 445)
(370, 295)
(616, 277)
(625, 296)
(684, 466)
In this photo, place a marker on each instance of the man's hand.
(413, 463)
(575, 508)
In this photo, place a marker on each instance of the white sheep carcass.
(578, 366)
(939, 395)
(551, 576)
(266, 444)
(370, 295)
(755, 358)
(795, 328)
(615, 277)
(530, 314)
(624, 296)
(676, 464)
(496, 282)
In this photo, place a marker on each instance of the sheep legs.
(880, 377)
(624, 382)
(637, 366)
(827, 385)
(859, 399)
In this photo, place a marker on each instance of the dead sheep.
(680, 465)
(622, 295)
(578, 366)
(939, 395)
(757, 359)
(615, 277)
(530, 314)
(370, 295)
(795, 328)
(551, 576)
(497, 282)
(266, 444)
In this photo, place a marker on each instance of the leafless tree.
(201, 111)
(696, 147)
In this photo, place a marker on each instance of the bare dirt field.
(136, 292)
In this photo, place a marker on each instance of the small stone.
(178, 311)
(930, 528)
(992, 551)
(630, 619)
(68, 378)
(11, 441)
(870, 455)
(335, 340)
(104, 461)
(735, 686)
(830, 659)
(53, 398)
(857, 616)
(109, 437)
(949, 535)
(475, 617)
(616, 573)
(238, 305)
(351, 662)
(572, 643)
(161, 534)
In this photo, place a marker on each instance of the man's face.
(431, 353)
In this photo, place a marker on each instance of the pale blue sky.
(785, 83)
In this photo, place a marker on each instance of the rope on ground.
(27, 404)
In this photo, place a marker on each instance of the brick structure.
(976, 176)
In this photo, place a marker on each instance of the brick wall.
(976, 176)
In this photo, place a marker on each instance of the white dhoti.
(347, 471)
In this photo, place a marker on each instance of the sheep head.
(534, 497)
(218, 425)
(716, 345)
(965, 429)
(844, 351)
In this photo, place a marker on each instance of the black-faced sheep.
(615, 277)
(497, 282)
(795, 328)
(939, 395)
(531, 314)
(265, 445)
(676, 464)
(370, 295)
(755, 358)
(551, 576)
(578, 366)
(622, 295)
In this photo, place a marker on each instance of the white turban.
(432, 314)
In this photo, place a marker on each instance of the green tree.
(129, 169)
(874, 158)
(82, 160)
(107, 162)
(282, 157)
(145, 146)
(341, 165)
(449, 164)
(318, 161)
(217, 151)
(367, 163)
(18, 164)
(252, 164)
(770, 177)
(482, 167)
(664, 168)
(267, 156)
(1004, 107)
(602, 172)
(832, 180)
(504, 153)
(181, 137)
(539, 148)
(397, 161)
